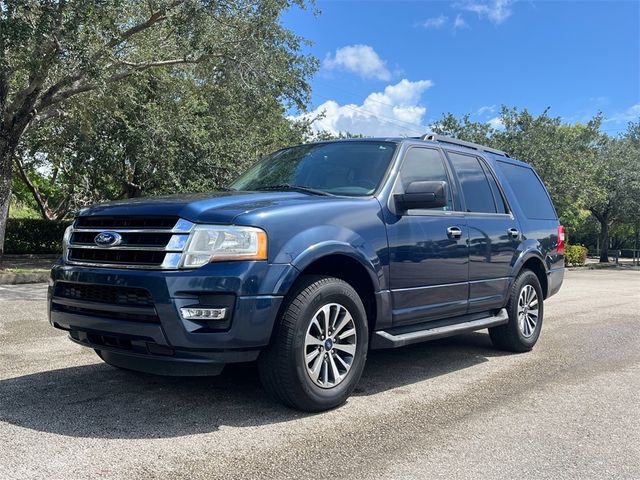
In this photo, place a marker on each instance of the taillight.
(560, 240)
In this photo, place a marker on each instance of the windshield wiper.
(295, 188)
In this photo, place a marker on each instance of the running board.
(383, 339)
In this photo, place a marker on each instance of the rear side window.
(529, 191)
(497, 195)
(478, 196)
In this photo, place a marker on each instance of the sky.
(394, 67)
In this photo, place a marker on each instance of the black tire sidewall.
(334, 291)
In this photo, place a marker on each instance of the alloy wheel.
(330, 345)
(528, 311)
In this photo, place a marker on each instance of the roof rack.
(432, 137)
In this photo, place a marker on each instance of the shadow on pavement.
(101, 401)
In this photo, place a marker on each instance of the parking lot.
(454, 408)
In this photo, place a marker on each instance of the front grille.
(111, 294)
(134, 221)
(138, 239)
(129, 257)
(152, 242)
(106, 301)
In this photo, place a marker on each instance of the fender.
(323, 240)
(530, 249)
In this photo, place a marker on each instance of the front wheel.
(525, 308)
(319, 347)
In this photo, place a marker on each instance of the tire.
(289, 368)
(522, 331)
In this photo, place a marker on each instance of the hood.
(214, 207)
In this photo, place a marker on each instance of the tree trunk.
(604, 240)
(5, 187)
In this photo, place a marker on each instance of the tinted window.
(424, 164)
(474, 183)
(529, 191)
(497, 195)
(342, 168)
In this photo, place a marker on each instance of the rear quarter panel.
(539, 236)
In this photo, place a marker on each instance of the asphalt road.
(453, 408)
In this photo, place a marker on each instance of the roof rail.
(432, 137)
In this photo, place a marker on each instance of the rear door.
(494, 234)
(428, 252)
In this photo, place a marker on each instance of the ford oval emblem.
(108, 239)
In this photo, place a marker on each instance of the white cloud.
(459, 22)
(496, 122)
(631, 114)
(360, 59)
(395, 111)
(497, 11)
(487, 109)
(435, 22)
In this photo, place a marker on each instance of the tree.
(560, 152)
(128, 144)
(613, 189)
(51, 53)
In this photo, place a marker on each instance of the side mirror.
(422, 195)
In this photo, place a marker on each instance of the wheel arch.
(352, 270)
(533, 261)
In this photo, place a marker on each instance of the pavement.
(453, 408)
(18, 269)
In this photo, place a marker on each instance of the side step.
(384, 339)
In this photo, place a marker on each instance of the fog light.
(197, 313)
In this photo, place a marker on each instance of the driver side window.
(425, 164)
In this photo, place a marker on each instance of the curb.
(20, 278)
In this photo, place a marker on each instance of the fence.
(622, 255)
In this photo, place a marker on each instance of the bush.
(575, 255)
(33, 235)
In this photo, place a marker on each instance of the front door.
(494, 234)
(428, 250)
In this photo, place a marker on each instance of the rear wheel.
(319, 347)
(525, 308)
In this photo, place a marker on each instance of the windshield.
(340, 168)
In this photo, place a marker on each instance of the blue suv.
(317, 254)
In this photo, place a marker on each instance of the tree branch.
(41, 117)
(155, 17)
(42, 202)
(133, 68)
(76, 76)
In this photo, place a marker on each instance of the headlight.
(211, 243)
(65, 241)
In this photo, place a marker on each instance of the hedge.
(33, 235)
(575, 255)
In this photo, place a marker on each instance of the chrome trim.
(183, 226)
(172, 260)
(130, 230)
(124, 247)
(119, 265)
(177, 243)
(174, 248)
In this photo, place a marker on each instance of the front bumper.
(170, 344)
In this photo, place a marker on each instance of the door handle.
(513, 232)
(454, 232)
